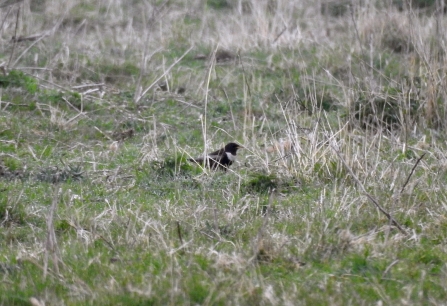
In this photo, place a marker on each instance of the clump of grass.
(68, 100)
(172, 173)
(11, 164)
(57, 175)
(397, 38)
(387, 32)
(218, 4)
(17, 79)
(11, 213)
(172, 166)
(391, 110)
(261, 183)
(335, 8)
(316, 101)
(427, 6)
(12, 169)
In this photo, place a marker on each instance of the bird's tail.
(195, 160)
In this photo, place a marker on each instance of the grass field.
(338, 197)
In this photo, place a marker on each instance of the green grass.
(134, 223)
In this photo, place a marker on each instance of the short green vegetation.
(337, 198)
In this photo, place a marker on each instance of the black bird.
(220, 159)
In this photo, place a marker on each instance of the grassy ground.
(339, 197)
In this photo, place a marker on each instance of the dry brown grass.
(310, 213)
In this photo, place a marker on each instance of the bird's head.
(232, 148)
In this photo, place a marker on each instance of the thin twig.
(4, 19)
(368, 195)
(187, 103)
(389, 267)
(103, 134)
(205, 111)
(51, 242)
(282, 157)
(412, 171)
(9, 3)
(26, 50)
(157, 15)
(280, 34)
(163, 75)
(357, 35)
(108, 243)
(49, 82)
(88, 85)
(266, 215)
(15, 35)
(179, 233)
(243, 71)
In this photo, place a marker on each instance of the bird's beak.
(240, 147)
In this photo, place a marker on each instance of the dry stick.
(4, 19)
(264, 223)
(88, 85)
(247, 110)
(207, 86)
(369, 196)
(163, 75)
(282, 157)
(108, 243)
(14, 205)
(39, 266)
(143, 63)
(45, 34)
(140, 77)
(26, 50)
(9, 2)
(103, 134)
(51, 243)
(186, 103)
(260, 233)
(156, 16)
(412, 171)
(179, 233)
(231, 109)
(280, 34)
(49, 82)
(357, 35)
(244, 74)
(57, 276)
(389, 267)
(216, 223)
(15, 35)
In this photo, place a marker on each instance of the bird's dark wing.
(216, 155)
(198, 160)
(213, 161)
(217, 159)
(219, 152)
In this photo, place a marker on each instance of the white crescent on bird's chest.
(231, 156)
